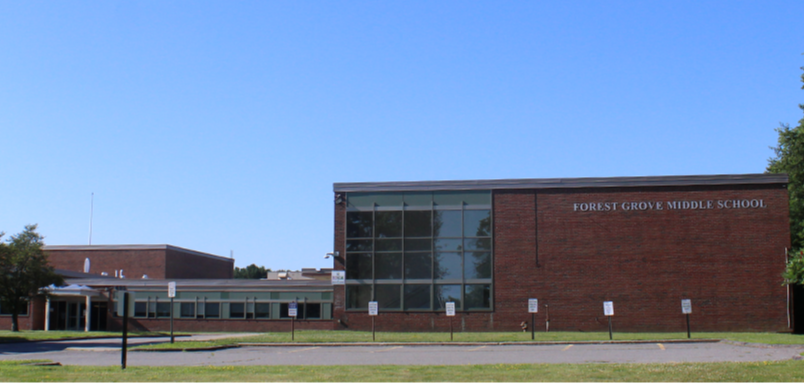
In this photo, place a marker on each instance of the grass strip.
(697, 372)
(28, 335)
(316, 336)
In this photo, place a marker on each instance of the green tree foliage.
(794, 273)
(790, 159)
(251, 271)
(23, 272)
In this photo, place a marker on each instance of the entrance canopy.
(72, 290)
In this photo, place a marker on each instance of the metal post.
(292, 328)
(688, 326)
(373, 338)
(450, 329)
(610, 337)
(532, 326)
(125, 330)
(47, 314)
(87, 313)
(171, 320)
(547, 321)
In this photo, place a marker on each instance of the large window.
(163, 309)
(24, 311)
(187, 310)
(237, 310)
(416, 251)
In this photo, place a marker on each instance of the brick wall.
(33, 321)
(728, 261)
(180, 265)
(134, 263)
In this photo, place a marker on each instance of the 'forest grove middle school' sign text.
(671, 205)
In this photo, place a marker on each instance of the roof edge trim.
(563, 183)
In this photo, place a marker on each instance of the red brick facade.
(157, 262)
(34, 320)
(644, 258)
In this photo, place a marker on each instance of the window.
(212, 310)
(416, 251)
(140, 309)
(187, 310)
(388, 266)
(237, 310)
(262, 310)
(163, 309)
(388, 296)
(478, 296)
(23, 312)
(312, 310)
(447, 293)
(358, 266)
(417, 297)
(358, 296)
(284, 311)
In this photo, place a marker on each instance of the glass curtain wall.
(417, 251)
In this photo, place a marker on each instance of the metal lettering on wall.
(671, 205)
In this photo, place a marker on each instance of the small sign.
(338, 277)
(120, 299)
(171, 289)
(373, 308)
(450, 309)
(293, 309)
(686, 306)
(608, 308)
(533, 305)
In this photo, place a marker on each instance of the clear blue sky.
(221, 126)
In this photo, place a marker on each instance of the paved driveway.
(94, 353)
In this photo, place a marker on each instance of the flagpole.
(91, 208)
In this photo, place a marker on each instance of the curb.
(189, 349)
(540, 343)
(386, 344)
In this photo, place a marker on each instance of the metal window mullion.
(373, 246)
(491, 240)
(402, 286)
(463, 254)
(432, 252)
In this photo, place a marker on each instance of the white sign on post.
(293, 309)
(373, 308)
(171, 289)
(338, 277)
(533, 305)
(608, 308)
(686, 306)
(450, 309)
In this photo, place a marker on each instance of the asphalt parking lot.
(106, 352)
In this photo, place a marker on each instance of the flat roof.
(563, 183)
(131, 247)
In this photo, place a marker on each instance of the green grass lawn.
(735, 372)
(27, 335)
(313, 336)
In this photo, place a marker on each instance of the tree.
(251, 271)
(24, 271)
(790, 159)
(794, 273)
